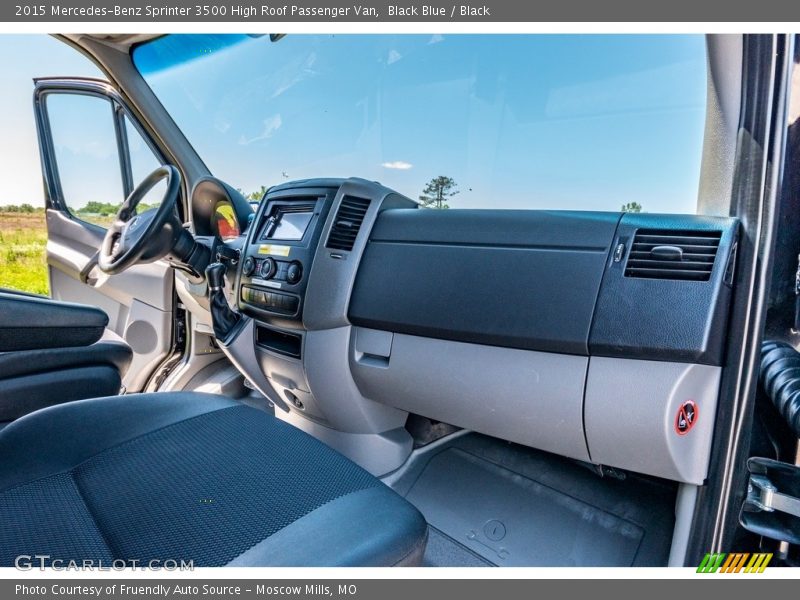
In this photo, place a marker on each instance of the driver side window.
(100, 156)
(143, 162)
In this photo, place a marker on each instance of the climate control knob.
(268, 268)
(294, 273)
(248, 266)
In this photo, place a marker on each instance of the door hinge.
(762, 494)
(772, 505)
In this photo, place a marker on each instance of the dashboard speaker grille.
(347, 223)
(671, 254)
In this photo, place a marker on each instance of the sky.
(518, 121)
(23, 57)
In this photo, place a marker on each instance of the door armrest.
(29, 322)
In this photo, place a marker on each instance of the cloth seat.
(191, 477)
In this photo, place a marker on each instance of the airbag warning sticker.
(686, 417)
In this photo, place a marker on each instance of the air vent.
(347, 223)
(668, 254)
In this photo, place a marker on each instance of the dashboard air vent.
(669, 254)
(347, 223)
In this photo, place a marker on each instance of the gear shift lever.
(223, 318)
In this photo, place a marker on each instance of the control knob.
(248, 266)
(268, 268)
(294, 273)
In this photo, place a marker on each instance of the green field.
(23, 239)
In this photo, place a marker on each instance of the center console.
(276, 259)
(295, 271)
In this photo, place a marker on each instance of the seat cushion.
(193, 477)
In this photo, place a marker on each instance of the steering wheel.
(147, 237)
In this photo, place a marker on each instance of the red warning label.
(686, 417)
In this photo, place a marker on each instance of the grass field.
(23, 264)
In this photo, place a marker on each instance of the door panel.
(139, 302)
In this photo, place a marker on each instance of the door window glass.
(143, 162)
(87, 155)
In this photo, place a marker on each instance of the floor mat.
(542, 511)
(444, 551)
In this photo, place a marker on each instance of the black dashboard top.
(317, 182)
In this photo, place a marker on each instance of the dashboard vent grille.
(669, 254)
(347, 223)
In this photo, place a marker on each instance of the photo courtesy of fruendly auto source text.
(369, 300)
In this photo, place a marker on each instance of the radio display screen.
(289, 226)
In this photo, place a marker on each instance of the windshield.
(590, 122)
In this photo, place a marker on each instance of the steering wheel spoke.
(133, 238)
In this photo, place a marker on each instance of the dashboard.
(585, 334)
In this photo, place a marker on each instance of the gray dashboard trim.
(241, 352)
(533, 398)
(378, 453)
(331, 381)
(333, 272)
(630, 412)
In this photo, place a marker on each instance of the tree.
(438, 190)
(104, 209)
(257, 195)
(632, 207)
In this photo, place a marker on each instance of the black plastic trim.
(679, 320)
(518, 279)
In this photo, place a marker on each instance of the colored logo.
(686, 417)
(735, 562)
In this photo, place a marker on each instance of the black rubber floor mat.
(512, 520)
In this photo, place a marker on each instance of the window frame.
(96, 88)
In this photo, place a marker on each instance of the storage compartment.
(498, 278)
(534, 398)
(282, 342)
(651, 417)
